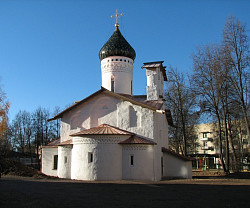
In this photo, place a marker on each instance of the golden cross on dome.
(117, 17)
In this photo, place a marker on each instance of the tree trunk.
(235, 166)
(226, 144)
(220, 144)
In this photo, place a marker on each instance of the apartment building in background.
(207, 153)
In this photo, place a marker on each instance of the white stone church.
(113, 134)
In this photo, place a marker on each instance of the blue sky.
(49, 48)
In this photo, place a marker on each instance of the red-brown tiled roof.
(103, 129)
(57, 143)
(59, 115)
(175, 154)
(67, 142)
(54, 143)
(137, 100)
(157, 104)
(135, 139)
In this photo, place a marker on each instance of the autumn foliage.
(4, 109)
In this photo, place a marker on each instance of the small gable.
(103, 129)
(136, 100)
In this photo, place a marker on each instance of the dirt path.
(30, 192)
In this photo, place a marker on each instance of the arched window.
(132, 117)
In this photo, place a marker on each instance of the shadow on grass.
(27, 193)
(239, 175)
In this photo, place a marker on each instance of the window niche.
(134, 117)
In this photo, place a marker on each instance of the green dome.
(117, 46)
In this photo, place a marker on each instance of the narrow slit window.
(132, 160)
(112, 84)
(131, 87)
(55, 162)
(90, 157)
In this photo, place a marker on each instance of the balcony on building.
(206, 139)
(207, 148)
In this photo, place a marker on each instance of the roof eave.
(130, 100)
(162, 68)
(60, 115)
(137, 143)
(82, 135)
(175, 154)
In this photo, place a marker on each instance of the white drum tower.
(117, 60)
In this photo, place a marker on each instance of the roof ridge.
(137, 139)
(166, 150)
(53, 142)
(129, 98)
(105, 129)
(154, 62)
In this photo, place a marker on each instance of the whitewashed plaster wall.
(161, 125)
(145, 120)
(142, 169)
(155, 83)
(107, 157)
(99, 110)
(64, 161)
(113, 111)
(48, 160)
(121, 69)
(160, 135)
(175, 167)
(155, 89)
(109, 110)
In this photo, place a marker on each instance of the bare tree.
(208, 85)
(18, 133)
(55, 124)
(39, 118)
(22, 132)
(236, 47)
(44, 132)
(181, 101)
